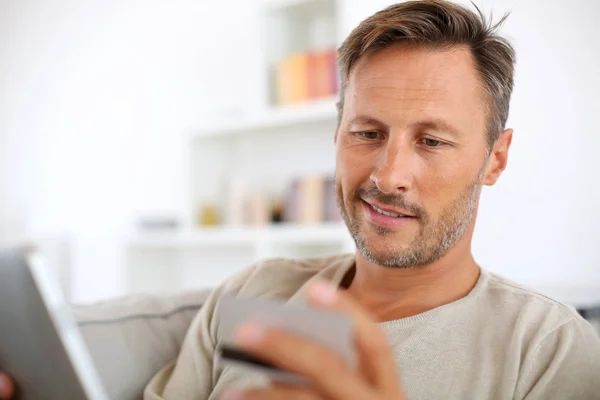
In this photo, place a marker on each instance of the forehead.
(410, 81)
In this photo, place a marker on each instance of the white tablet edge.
(64, 322)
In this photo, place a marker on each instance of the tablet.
(40, 344)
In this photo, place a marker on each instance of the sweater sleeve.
(192, 375)
(565, 365)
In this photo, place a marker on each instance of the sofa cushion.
(131, 338)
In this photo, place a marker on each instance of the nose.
(393, 172)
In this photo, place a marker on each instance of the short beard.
(435, 237)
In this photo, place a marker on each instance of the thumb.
(7, 387)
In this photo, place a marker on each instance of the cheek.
(352, 169)
(439, 185)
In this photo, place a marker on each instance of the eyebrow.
(436, 124)
(365, 120)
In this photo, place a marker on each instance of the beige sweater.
(501, 341)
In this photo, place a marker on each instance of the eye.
(431, 142)
(369, 135)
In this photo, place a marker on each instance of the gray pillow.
(132, 338)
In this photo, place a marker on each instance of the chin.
(399, 237)
(381, 246)
(392, 249)
(387, 259)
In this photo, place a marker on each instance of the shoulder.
(283, 277)
(558, 350)
(531, 310)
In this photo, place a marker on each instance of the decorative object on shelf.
(234, 204)
(277, 210)
(158, 223)
(209, 215)
(258, 210)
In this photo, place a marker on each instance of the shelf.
(202, 237)
(319, 234)
(280, 4)
(281, 235)
(323, 110)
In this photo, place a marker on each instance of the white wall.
(12, 207)
(540, 223)
(96, 96)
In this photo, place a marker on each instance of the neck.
(394, 293)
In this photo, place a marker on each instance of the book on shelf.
(292, 79)
(305, 76)
(307, 200)
(322, 73)
(311, 200)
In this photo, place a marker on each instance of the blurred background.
(152, 146)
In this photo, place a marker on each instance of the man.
(425, 97)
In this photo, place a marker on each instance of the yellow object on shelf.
(209, 215)
(292, 79)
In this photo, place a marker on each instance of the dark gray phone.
(330, 329)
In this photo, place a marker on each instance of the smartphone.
(327, 328)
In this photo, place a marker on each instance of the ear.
(498, 158)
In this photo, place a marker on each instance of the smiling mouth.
(387, 213)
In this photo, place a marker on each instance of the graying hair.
(440, 24)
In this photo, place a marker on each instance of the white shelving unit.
(282, 4)
(205, 257)
(265, 150)
(275, 118)
(283, 234)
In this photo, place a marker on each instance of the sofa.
(131, 338)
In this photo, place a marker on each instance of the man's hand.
(329, 375)
(7, 387)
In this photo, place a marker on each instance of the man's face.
(411, 153)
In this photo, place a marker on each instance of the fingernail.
(250, 333)
(232, 394)
(323, 292)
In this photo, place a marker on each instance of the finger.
(275, 392)
(374, 350)
(326, 370)
(7, 387)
